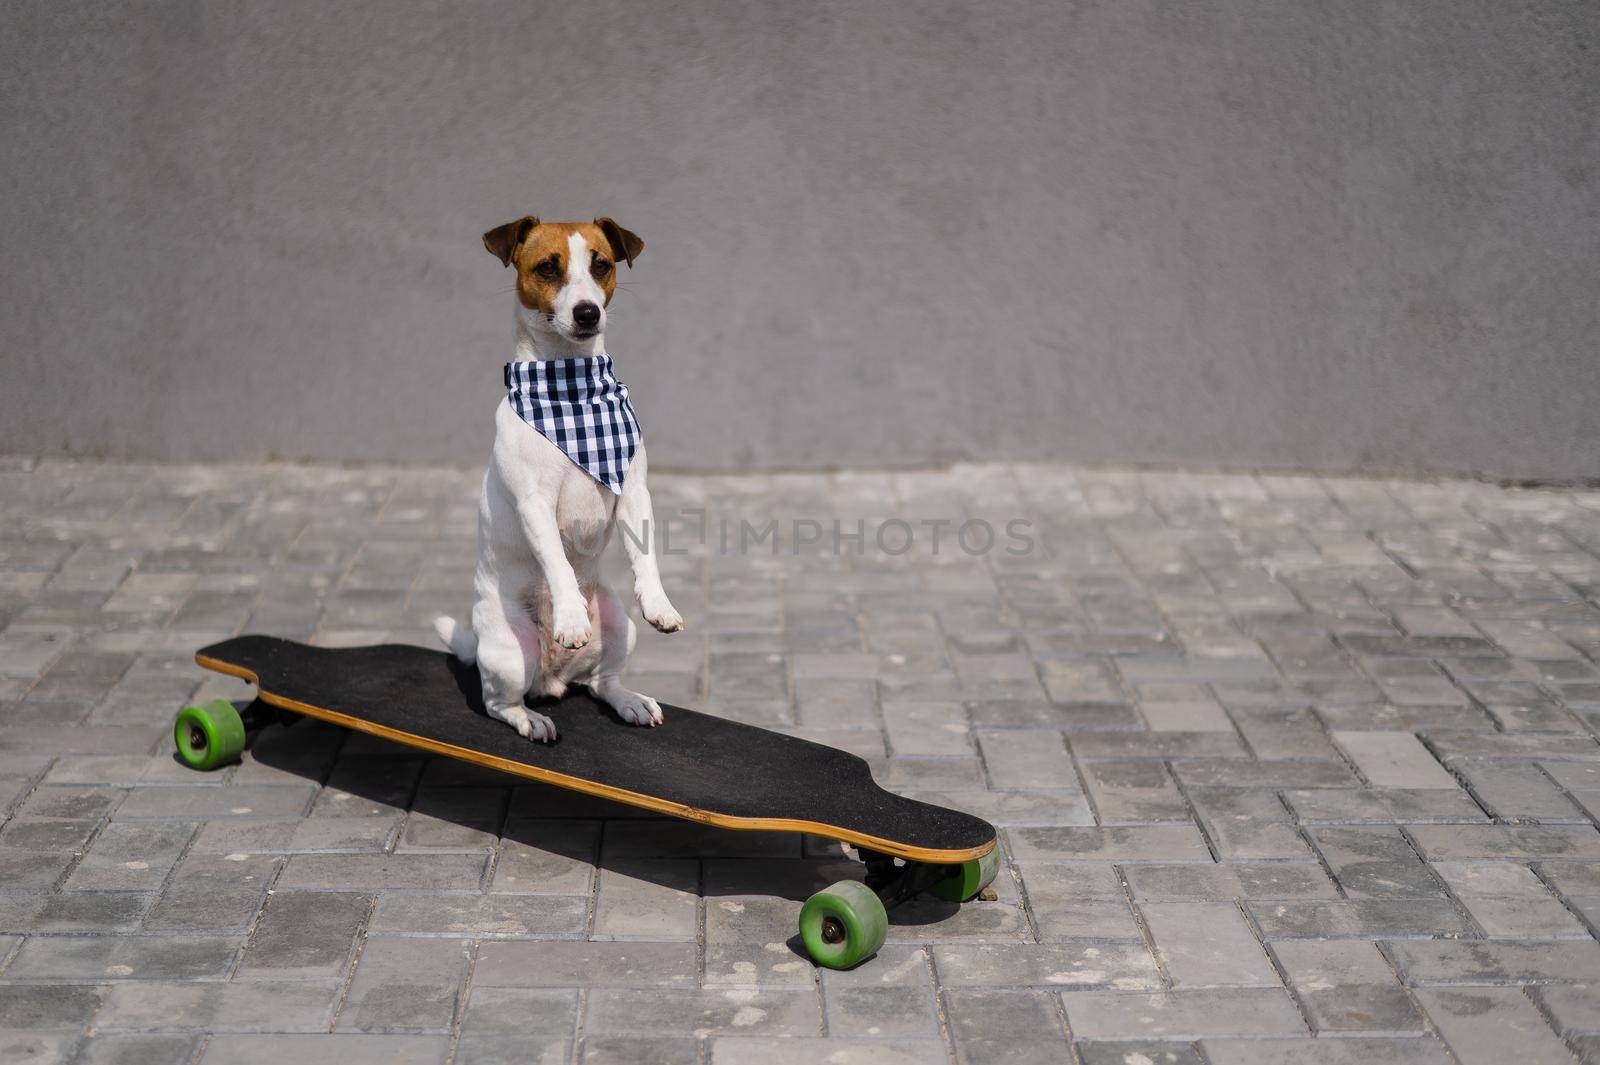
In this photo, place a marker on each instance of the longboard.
(694, 766)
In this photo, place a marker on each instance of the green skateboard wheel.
(210, 735)
(968, 879)
(843, 924)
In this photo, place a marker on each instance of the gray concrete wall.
(1261, 232)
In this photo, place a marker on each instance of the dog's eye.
(548, 270)
(600, 268)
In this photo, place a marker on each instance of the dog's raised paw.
(572, 629)
(660, 614)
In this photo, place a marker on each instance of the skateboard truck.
(846, 923)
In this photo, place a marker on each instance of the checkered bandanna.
(580, 407)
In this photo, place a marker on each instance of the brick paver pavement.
(1289, 769)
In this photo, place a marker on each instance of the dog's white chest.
(532, 468)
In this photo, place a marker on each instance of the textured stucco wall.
(1274, 232)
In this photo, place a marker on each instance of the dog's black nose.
(586, 315)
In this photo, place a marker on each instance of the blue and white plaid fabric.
(580, 407)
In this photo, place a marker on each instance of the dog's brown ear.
(502, 241)
(624, 245)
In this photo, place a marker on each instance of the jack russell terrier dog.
(568, 465)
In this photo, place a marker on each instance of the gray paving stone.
(1393, 760)
(1133, 843)
(47, 1048)
(1105, 746)
(368, 787)
(1518, 791)
(927, 729)
(1508, 901)
(749, 1011)
(927, 919)
(203, 803)
(1336, 806)
(1240, 773)
(257, 1006)
(1346, 986)
(995, 1025)
(1372, 862)
(1007, 809)
(131, 856)
(1206, 945)
(347, 835)
(547, 857)
(1138, 1052)
(109, 957)
(32, 870)
(1358, 919)
(1573, 1009)
(1492, 1025)
(339, 1049)
(1551, 746)
(1244, 839)
(1366, 1050)
(305, 935)
(134, 1048)
(1134, 792)
(213, 893)
(894, 998)
(1237, 880)
(779, 963)
(1183, 1015)
(515, 1025)
(835, 1050)
(83, 911)
(48, 1006)
(71, 802)
(1079, 902)
(392, 872)
(48, 833)
(1571, 878)
(647, 898)
(454, 819)
(406, 985)
(558, 963)
(661, 1050)
(1515, 842)
(1124, 966)
(480, 915)
(1446, 963)
(748, 944)
(1018, 759)
(75, 740)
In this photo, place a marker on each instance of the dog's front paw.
(638, 709)
(658, 611)
(530, 725)
(572, 629)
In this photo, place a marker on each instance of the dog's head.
(566, 271)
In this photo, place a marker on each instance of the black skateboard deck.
(695, 766)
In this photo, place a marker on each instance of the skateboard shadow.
(562, 829)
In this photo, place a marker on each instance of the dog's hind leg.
(458, 637)
(508, 661)
(616, 641)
